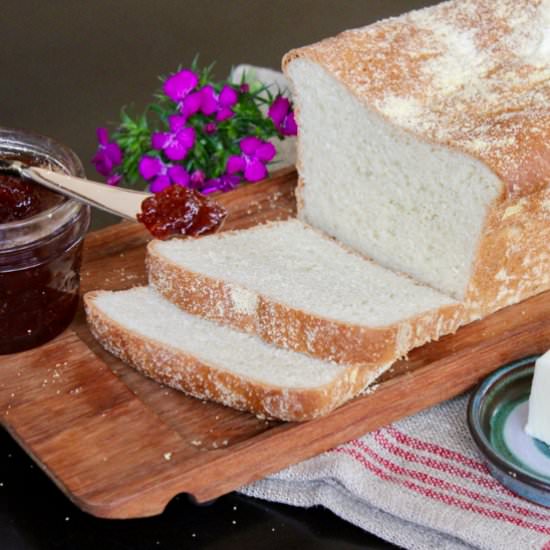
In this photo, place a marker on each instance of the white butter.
(538, 422)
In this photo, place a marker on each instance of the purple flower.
(191, 104)
(176, 143)
(244, 88)
(256, 153)
(210, 128)
(108, 154)
(178, 86)
(226, 182)
(197, 179)
(114, 179)
(219, 104)
(161, 175)
(209, 102)
(282, 115)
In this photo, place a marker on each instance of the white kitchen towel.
(276, 83)
(419, 483)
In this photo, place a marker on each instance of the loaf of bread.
(209, 361)
(424, 199)
(424, 143)
(300, 290)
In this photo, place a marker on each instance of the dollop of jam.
(21, 199)
(180, 211)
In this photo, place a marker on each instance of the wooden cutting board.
(121, 446)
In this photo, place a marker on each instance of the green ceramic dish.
(497, 414)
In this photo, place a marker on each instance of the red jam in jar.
(21, 199)
(41, 236)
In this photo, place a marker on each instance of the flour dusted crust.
(474, 76)
(513, 261)
(469, 74)
(290, 328)
(185, 372)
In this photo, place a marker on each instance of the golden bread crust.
(513, 260)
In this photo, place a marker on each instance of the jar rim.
(13, 140)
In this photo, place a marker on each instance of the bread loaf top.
(473, 75)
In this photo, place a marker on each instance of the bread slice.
(424, 143)
(302, 291)
(210, 361)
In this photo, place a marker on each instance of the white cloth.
(277, 83)
(419, 483)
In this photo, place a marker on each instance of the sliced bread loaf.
(301, 290)
(424, 143)
(210, 361)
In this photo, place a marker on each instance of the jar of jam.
(41, 236)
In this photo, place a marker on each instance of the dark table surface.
(36, 515)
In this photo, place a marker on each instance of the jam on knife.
(179, 211)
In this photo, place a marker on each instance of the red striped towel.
(420, 483)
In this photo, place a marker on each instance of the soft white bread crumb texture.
(295, 265)
(410, 205)
(144, 312)
(298, 289)
(209, 361)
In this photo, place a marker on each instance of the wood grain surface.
(122, 446)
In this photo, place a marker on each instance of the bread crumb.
(167, 456)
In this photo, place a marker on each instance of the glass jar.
(40, 255)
